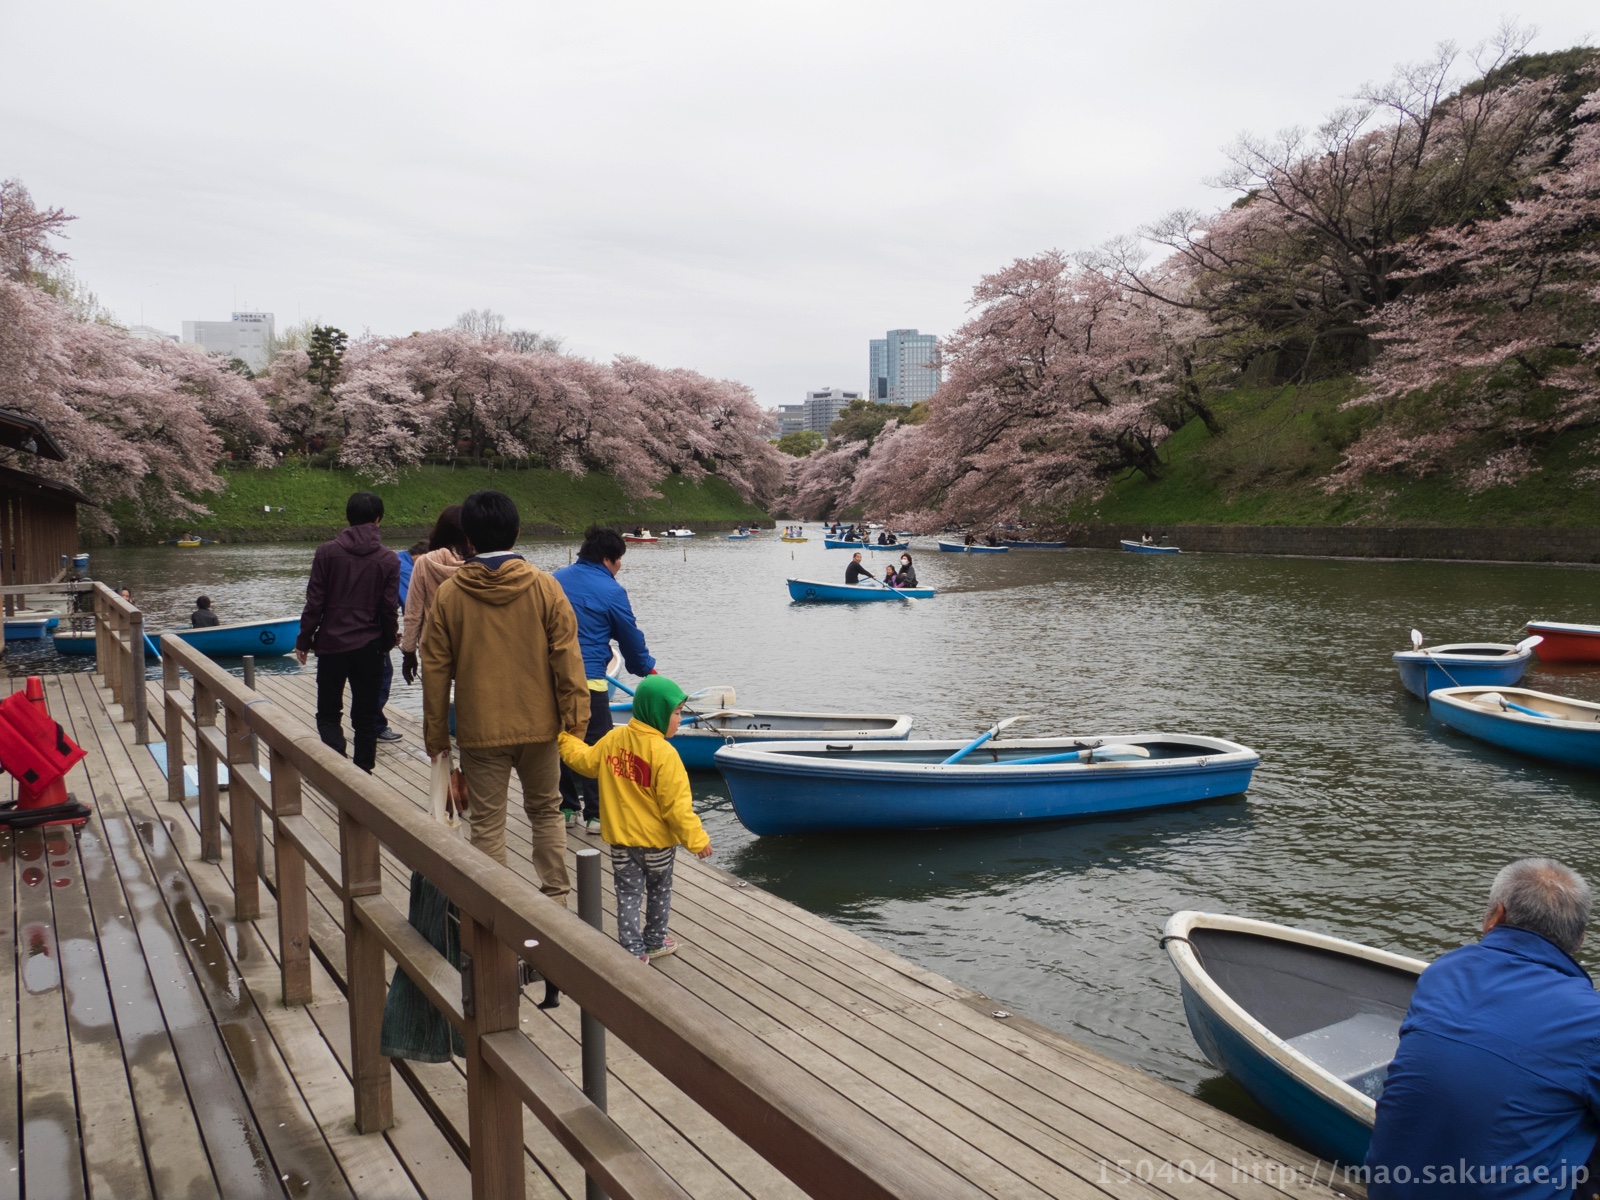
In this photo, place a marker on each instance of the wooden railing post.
(139, 713)
(102, 641)
(205, 760)
(294, 934)
(364, 982)
(117, 668)
(591, 1031)
(243, 814)
(172, 691)
(494, 1110)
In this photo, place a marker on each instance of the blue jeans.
(642, 875)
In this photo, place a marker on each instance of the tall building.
(821, 409)
(902, 367)
(247, 337)
(149, 333)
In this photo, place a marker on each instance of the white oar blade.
(721, 695)
(1492, 699)
(1528, 643)
(1416, 639)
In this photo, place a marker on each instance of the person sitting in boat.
(1497, 1066)
(908, 573)
(854, 571)
(890, 579)
(1144, 540)
(202, 617)
(638, 531)
(968, 540)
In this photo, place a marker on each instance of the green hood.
(654, 701)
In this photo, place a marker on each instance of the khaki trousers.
(538, 765)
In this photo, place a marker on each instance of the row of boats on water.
(1307, 1023)
(263, 639)
(1470, 687)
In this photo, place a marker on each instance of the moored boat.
(1564, 642)
(1462, 664)
(1557, 729)
(73, 643)
(24, 625)
(976, 548)
(1147, 547)
(263, 639)
(855, 593)
(1306, 1023)
(820, 786)
(702, 734)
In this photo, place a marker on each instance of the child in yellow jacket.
(645, 811)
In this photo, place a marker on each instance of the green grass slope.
(1277, 445)
(308, 503)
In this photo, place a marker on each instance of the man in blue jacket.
(604, 616)
(1495, 1088)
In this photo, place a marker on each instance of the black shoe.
(552, 996)
(390, 735)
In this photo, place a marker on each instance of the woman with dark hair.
(447, 550)
(908, 573)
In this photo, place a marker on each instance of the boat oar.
(898, 594)
(1092, 754)
(618, 683)
(981, 739)
(712, 716)
(1497, 698)
(1528, 643)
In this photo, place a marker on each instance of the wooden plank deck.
(144, 1050)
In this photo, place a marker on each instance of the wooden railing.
(120, 654)
(822, 1142)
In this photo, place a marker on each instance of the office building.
(822, 407)
(149, 333)
(247, 337)
(902, 367)
(791, 418)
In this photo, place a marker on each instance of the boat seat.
(1357, 1049)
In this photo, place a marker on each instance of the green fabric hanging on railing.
(412, 1027)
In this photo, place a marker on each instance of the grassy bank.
(308, 503)
(1278, 444)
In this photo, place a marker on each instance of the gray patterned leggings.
(642, 875)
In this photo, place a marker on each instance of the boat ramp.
(193, 1003)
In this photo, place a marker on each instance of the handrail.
(119, 654)
(825, 1144)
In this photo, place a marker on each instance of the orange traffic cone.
(54, 792)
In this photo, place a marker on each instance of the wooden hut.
(38, 516)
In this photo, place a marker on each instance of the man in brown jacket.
(504, 632)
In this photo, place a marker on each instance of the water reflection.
(1367, 819)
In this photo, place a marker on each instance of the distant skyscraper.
(248, 337)
(902, 367)
(791, 418)
(822, 408)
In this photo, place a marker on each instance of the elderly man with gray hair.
(1495, 1088)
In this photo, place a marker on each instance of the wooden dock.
(147, 1050)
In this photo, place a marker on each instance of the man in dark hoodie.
(351, 622)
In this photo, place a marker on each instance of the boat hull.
(29, 628)
(842, 544)
(1566, 643)
(1327, 1114)
(962, 548)
(1570, 742)
(260, 638)
(1493, 665)
(638, 541)
(807, 590)
(819, 787)
(73, 643)
(1141, 548)
(1016, 544)
(698, 746)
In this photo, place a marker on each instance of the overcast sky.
(749, 189)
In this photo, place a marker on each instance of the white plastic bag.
(439, 793)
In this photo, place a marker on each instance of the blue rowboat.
(1555, 728)
(1147, 547)
(855, 593)
(1307, 1024)
(1461, 664)
(815, 787)
(738, 537)
(962, 548)
(1031, 544)
(842, 544)
(260, 638)
(73, 643)
(25, 626)
(698, 741)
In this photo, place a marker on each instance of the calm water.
(1366, 820)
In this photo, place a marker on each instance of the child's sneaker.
(669, 945)
(645, 959)
(570, 817)
(592, 826)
